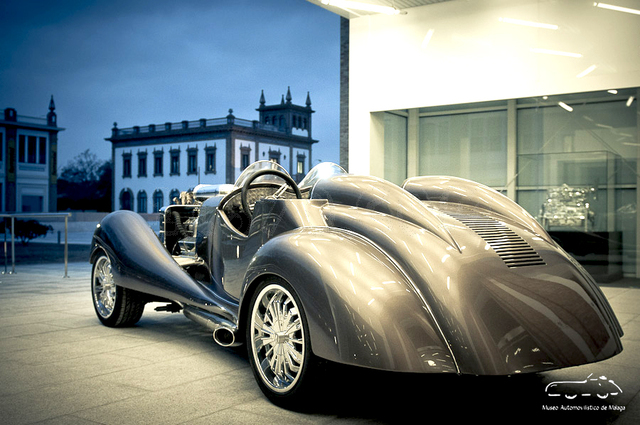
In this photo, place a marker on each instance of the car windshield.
(257, 166)
(321, 171)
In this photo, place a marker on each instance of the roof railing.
(184, 125)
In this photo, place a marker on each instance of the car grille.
(511, 248)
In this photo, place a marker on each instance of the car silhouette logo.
(600, 387)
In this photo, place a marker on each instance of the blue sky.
(142, 62)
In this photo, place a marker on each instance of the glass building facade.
(569, 160)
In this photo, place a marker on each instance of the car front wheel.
(279, 344)
(115, 306)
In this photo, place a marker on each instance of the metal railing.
(36, 215)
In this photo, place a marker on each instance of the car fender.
(361, 308)
(467, 192)
(140, 262)
(548, 315)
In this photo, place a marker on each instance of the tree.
(26, 230)
(85, 183)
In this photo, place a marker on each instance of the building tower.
(287, 117)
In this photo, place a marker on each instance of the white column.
(376, 150)
(512, 148)
(413, 137)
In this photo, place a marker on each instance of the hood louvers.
(511, 248)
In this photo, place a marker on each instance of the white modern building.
(524, 96)
(154, 163)
(28, 161)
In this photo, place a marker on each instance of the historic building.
(28, 161)
(154, 163)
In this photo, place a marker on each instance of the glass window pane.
(21, 148)
(42, 151)
(31, 149)
(577, 173)
(472, 146)
(395, 148)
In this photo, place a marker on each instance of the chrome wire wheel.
(115, 306)
(103, 287)
(277, 338)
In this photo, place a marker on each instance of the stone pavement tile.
(28, 329)
(47, 402)
(69, 350)
(261, 411)
(162, 326)
(169, 349)
(179, 403)
(631, 330)
(625, 318)
(623, 300)
(17, 378)
(91, 329)
(240, 417)
(630, 355)
(631, 415)
(67, 420)
(177, 371)
(11, 344)
(71, 318)
(53, 350)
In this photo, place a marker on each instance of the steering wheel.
(245, 188)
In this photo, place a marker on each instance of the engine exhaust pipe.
(225, 337)
(224, 331)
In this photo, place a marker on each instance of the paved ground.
(58, 365)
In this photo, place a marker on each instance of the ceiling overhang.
(340, 8)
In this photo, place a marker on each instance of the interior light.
(427, 38)
(612, 91)
(565, 106)
(556, 53)
(629, 101)
(586, 71)
(617, 8)
(349, 4)
(528, 23)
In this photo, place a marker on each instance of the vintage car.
(441, 275)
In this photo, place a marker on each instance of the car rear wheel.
(115, 306)
(279, 345)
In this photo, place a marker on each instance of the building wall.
(32, 175)
(30, 184)
(242, 147)
(227, 170)
(237, 143)
(166, 183)
(455, 88)
(460, 52)
(28, 161)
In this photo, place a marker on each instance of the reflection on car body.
(440, 275)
